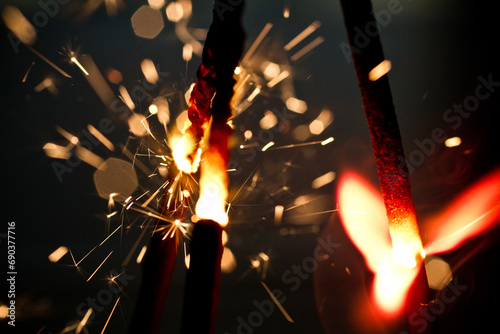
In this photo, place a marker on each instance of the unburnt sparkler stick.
(158, 267)
(221, 53)
(387, 146)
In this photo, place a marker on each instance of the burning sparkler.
(215, 76)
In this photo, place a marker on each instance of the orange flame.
(213, 176)
(213, 188)
(363, 216)
(474, 212)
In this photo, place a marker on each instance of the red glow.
(364, 218)
(473, 213)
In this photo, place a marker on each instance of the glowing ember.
(453, 142)
(406, 243)
(213, 188)
(58, 254)
(378, 71)
(395, 266)
(364, 218)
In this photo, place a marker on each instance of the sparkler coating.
(388, 149)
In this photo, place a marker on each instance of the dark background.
(437, 49)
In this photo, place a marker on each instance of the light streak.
(323, 180)
(58, 254)
(99, 266)
(255, 92)
(110, 314)
(380, 70)
(27, 72)
(101, 137)
(102, 242)
(300, 37)
(323, 143)
(280, 77)
(275, 300)
(278, 214)
(306, 49)
(77, 63)
(125, 96)
(141, 254)
(256, 43)
(84, 321)
(83, 258)
(57, 68)
(327, 141)
(268, 145)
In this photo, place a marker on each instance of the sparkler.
(388, 149)
(221, 53)
(159, 264)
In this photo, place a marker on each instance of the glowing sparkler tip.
(327, 141)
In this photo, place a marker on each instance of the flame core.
(213, 180)
(407, 249)
(396, 266)
(187, 155)
(364, 217)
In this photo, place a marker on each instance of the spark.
(83, 258)
(323, 180)
(125, 96)
(99, 266)
(280, 77)
(177, 225)
(58, 254)
(111, 214)
(141, 254)
(134, 247)
(56, 151)
(268, 145)
(89, 157)
(327, 141)
(306, 49)
(275, 300)
(80, 66)
(286, 11)
(48, 61)
(453, 142)
(256, 43)
(254, 94)
(102, 242)
(112, 311)
(27, 72)
(84, 321)
(323, 143)
(278, 214)
(300, 37)
(380, 70)
(101, 137)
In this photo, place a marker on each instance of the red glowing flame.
(473, 213)
(364, 218)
